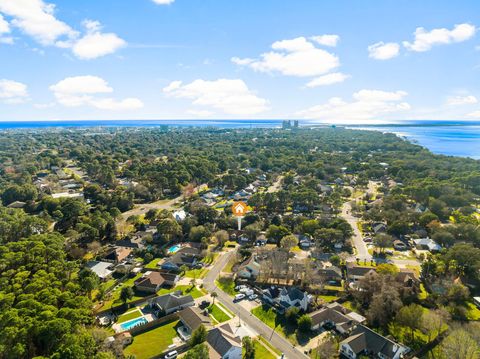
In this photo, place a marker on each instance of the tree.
(221, 237)
(304, 323)
(248, 348)
(291, 314)
(276, 233)
(199, 351)
(383, 241)
(169, 228)
(434, 322)
(88, 280)
(335, 260)
(384, 306)
(288, 242)
(126, 294)
(214, 295)
(199, 335)
(387, 269)
(410, 317)
(459, 345)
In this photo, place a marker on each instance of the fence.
(153, 324)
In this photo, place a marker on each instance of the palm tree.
(214, 295)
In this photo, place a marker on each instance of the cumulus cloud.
(328, 79)
(231, 96)
(36, 18)
(475, 114)
(5, 29)
(95, 43)
(383, 51)
(295, 57)
(461, 100)
(163, 2)
(87, 90)
(424, 40)
(12, 92)
(326, 40)
(367, 106)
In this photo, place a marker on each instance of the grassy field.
(129, 316)
(196, 273)
(153, 263)
(226, 284)
(153, 342)
(261, 350)
(219, 315)
(328, 298)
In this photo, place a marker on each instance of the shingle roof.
(222, 340)
(293, 293)
(172, 300)
(193, 317)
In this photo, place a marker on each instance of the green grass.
(423, 293)
(268, 345)
(153, 342)
(328, 298)
(129, 316)
(196, 273)
(115, 295)
(219, 315)
(227, 285)
(230, 264)
(261, 350)
(349, 305)
(153, 263)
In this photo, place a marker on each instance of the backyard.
(153, 342)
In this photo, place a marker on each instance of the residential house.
(249, 269)
(330, 274)
(152, 281)
(337, 316)
(117, 254)
(192, 318)
(187, 256)
(171, 302)
(102, 269)
(379, 227)
(223, 343)
(17, 204)
(399, 245)
(427, 244)
(365, 342)
(293, 297)
(356, 272)
(271, 295)
(179, 215)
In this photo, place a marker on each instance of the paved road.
(362, 250)
(245, 316)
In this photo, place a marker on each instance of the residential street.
(357, 238)
(245, 316)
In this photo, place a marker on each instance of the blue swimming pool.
(173, 249)
(133, 323)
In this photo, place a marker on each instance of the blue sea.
(459, 138)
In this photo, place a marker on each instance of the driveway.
(245, 316)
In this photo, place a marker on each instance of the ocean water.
(448, 138)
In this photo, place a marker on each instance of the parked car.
(252, 297)
(367, 239)
(240, 287)
(249, 292)
(171, 355)
(244, 290)
(239, 297)
(204, 304)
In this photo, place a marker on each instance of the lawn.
(153, 342)
(328, 298)
(129, 316)
(473, 313)
(265, 343)
(219, 315)
(153, 263)
(230, 264)
(226, 284)
(261, 350)
(196, 273)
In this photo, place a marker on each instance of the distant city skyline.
(337, 62)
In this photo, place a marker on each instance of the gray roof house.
(341, 318)
(355, 272)
(293, 297)
(192, 318)
(223, 343)
(188, 256)
(171, 302)
(364, 341)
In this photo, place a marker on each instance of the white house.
(428, 244)
(249, 269)
(293, 297)
(223, 343)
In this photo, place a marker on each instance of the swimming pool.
(173, 249)
(133, 323)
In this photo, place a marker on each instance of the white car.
(171, 355)
(240, 287)
(252, 297)
(239, 297)
(244, 290)
(249, 292)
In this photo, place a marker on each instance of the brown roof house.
(356, 272)
(152, 281)
(337, 316)
(117, 254)
(223, 343)
(192, 318)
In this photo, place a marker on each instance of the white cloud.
(37, 19)
(383, 51)
(368, 106)
(232, 96)
(425, 40)
(475, 114)
(4, 26)
(12, 91)
(163, 2)
(461, 100)
(326, 40)
(296, 57)
(95, 43)
(85, 90)
(200, 113)
(328, 79)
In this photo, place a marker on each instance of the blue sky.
(381, 61)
